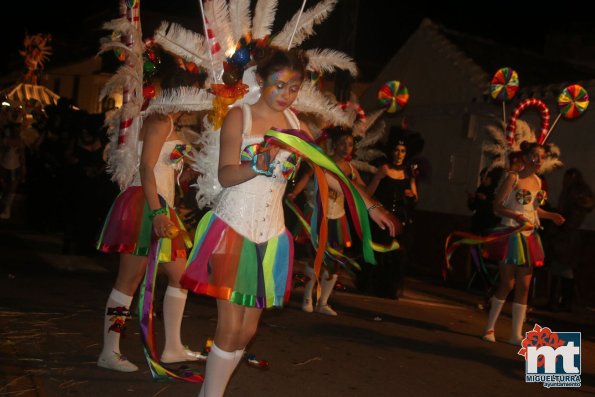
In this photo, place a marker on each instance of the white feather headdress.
(500, 149)
(230, 22)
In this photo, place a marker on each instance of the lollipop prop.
(572, 103)
(543, 111)
(504, 86)
(393, 96)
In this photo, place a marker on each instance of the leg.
(498, 300)
(327, 284)
(519, 307)
(236, 326)
(130, 272)
(173, 311)
(308, 288)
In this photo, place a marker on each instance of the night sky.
(375, 38)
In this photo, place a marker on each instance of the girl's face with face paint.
(281, 88)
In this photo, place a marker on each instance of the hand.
(161, 225)
(558, 219)
(381, 173)
(265, 158)
(481, 196)
(386, 219)
(409, 193)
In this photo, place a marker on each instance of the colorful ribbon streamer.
(145, 309)
(466, 238)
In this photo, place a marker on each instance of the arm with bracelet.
(156, 130)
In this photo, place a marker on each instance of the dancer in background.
(518, 201)
(339, 236)
(143, 209)
(395, 187)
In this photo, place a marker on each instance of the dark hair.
(336, 133)
(173, 76)
(271, 59)
(527, 147)
(495, 174)
(413, 142)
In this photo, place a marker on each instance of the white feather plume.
(217, 14)
(373, 135)
(264, 16)
(311, 100)
(185, 43)
(361, 127)
(123, 159)
(119, 79)
(305, 26)
(500, 149)
(239, 15)
(327, 60)
(364, 166)
(206, 163)
(182, 99)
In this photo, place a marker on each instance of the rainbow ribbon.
(303, 145)
(466, 238)
(145, 308)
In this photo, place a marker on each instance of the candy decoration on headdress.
(504, 84)
(573, 101)
(133, 16)
(359, 111)
(543, 111)
(393, 95)
(503, 87)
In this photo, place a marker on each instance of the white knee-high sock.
(309, 286)
(518, 318)
(173, 311)
(495, 309)
(239, 354)
(220, 366)
(116, 312)
(326, 285)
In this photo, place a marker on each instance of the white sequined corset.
(165, 170)
(254, 208)
(526, 202)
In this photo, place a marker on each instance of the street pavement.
(424, 344)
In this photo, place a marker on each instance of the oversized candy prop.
(572, 103)
(393, 95)
(504, 84)
(527, 103)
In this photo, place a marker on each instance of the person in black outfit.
(575, 202)
(394, 186)
(481, 202)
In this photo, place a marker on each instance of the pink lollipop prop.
(527, 103)
(393, 95)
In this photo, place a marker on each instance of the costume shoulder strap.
(171, 127)
(294, 122)
(352, 175)
(247, 120)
